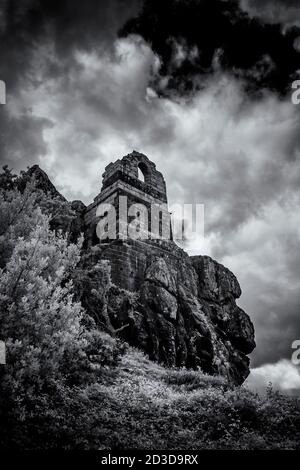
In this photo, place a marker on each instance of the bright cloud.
(239, 157)
(283, 375)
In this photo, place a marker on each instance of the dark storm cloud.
(80, 96)
(64, 26)
(268, 269)
(21, 139)
(70, 24)
(219, 30)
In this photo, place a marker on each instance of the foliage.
(7, 179)
(54, 350)
(145, 410)
(21, 210)
(68, 385)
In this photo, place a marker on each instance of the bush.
(191, 379)
(68, 385)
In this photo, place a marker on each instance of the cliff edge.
(180, 310)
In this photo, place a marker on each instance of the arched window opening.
(143, 172)
(141, 175)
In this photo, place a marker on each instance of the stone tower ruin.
(181, 310)
(135, 178)
(130, 185)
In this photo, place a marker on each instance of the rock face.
(64, 215)
(42, 182)
(180, 310)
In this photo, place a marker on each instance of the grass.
(151, 407)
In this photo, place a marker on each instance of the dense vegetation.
(68, 385)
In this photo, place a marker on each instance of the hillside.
(181, 311)
(68, 384)
(152, 407)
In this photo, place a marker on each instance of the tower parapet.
(136, 191)
(127, 170)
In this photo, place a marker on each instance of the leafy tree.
(54, 351)
(21, 207)
(7, 179)
(67, 385)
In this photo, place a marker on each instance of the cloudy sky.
(203, 87)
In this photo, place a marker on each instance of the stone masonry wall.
(121, 179)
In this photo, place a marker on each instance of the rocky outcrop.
(181, 312)
(64, 215)
(41, 181)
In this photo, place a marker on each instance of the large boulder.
(180, 315)
(180, 310)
